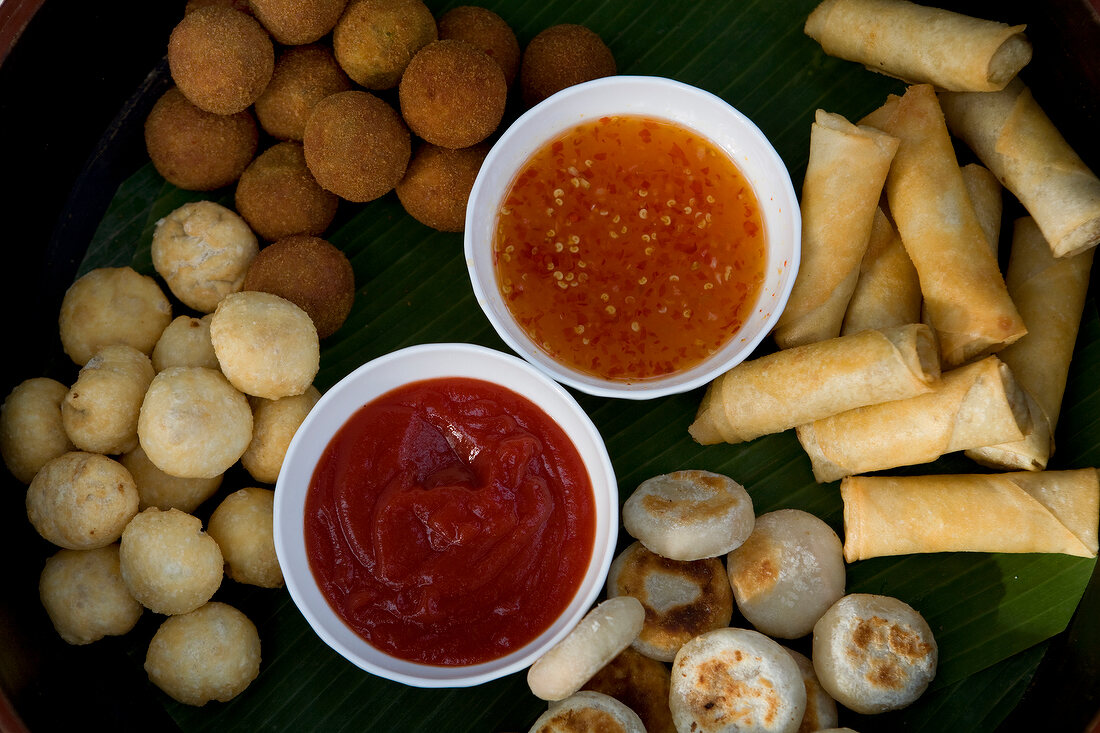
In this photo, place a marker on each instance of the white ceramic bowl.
(374, 379)
(664, 99)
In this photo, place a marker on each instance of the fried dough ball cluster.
(278, 196)
(198, 150)
(220, 58)
(561, 56)
(304, 75)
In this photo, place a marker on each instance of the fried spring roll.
(1015, 139)
(1050, 293)
(964, 293)
(787, 388)
(975, 405)
(844, 177)
(921, 44)
(888, 291)
(985, 195)
(1048, 511)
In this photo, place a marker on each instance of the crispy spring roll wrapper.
(844, 177)
(791, 387)
(1015, 139)
(888, 292)
(975, 405)
(964, 293)
(1047, 511)
(921, 44)
(986, 196)
(1050, 293)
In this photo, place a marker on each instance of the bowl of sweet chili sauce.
(633, 236)
(445, 514)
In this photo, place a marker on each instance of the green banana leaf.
(991, 614)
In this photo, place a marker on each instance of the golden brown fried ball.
(561, 56)
(278, 196)
(356, 146)
(486, 30)
(304, 75)
(309, 272)
(244, 528)
(84, 596)
(452, 94)
(294, 22)
(375, 39)
(31, 428)
(81, 501)
(241, 5)
(195, 149)
(220, 58)
(437, 185)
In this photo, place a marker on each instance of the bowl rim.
(290, 492)
(484, 284)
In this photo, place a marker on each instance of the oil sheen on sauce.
(630, 248)
(450, 521)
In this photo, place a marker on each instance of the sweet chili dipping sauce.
(630, 248)
(450, 521)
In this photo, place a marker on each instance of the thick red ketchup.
(450, 521)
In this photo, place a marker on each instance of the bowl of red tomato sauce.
(445, 514)
(633, 236)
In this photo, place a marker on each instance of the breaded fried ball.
(374, 40)
(267, 346)
(244, 527)
(486, 30)
(274, 424)
(185, 343)
(85, 597)
(356, 146)
(241, 5)
(436, 187)
(294, 22)
(304, 75)
(278, 196)
(194, 423)
(198, 150)
(112, 305)
(100, 412)
(81, 501)
(163, 490)
(31, 429)
(310, 272)
(202, 250)
(168, 562)
(220, 58)
(561, 56)
(452, 94)
(212, 653)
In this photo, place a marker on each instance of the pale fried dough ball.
(304, 75)
(310, 272)
(194, 423)
(31, 429)
(294, 22)
(278, 196)
(81, 501)
(243, 526)
(185, 342)
(561, 56)
(84, 596)
(202, 250)
(375, 39)
(112, 305)
(356, 145)
(169, 564)
(274, 424)
(486, 30)
(452, 94)
(164, 491)
(267, 346)
(588, 711)
(100, 411)
(220, 58)
(198, 150)
(436, 187)
(212, 653)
